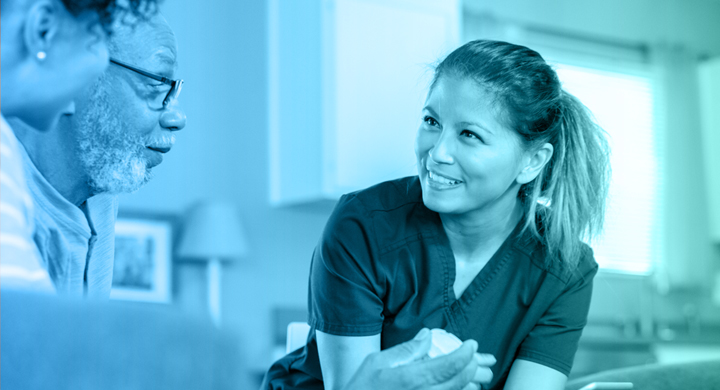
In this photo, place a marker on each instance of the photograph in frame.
(143, 260)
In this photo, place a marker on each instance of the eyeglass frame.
(175, 85)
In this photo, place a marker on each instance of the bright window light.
(623, 106)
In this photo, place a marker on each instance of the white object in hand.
(443, 343)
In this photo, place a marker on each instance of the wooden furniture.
(297, 334)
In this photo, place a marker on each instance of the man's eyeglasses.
(175, 85)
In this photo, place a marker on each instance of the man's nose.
(173, 118)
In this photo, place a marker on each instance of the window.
(622, 104)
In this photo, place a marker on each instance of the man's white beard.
(110, 152)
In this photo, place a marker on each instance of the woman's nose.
(443, 150)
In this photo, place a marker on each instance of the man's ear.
(534, 163)
(42, 23)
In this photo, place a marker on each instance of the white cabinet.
(347, 80)
(709, 76)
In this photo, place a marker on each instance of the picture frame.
(142, 270)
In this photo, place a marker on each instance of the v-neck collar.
(486, 274)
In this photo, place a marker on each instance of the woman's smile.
(438, 181)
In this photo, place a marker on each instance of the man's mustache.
(163, 141)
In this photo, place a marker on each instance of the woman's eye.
(470, 134)
(430, 121)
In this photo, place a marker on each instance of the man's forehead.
(150, 43)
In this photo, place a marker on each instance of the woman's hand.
(404, 367)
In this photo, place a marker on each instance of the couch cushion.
(685, 376)
(57, 343)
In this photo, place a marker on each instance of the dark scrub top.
(384, 265)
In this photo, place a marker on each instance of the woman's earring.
(41, 55)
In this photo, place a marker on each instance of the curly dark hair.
(109, 10)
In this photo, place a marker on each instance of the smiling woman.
(467, 160)
(485, 242)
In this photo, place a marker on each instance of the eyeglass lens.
(173, 93)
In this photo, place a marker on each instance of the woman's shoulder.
(584, 268)
(381, 215)
(582, 265)
(365, 222)
(581, 268)
(386, 196)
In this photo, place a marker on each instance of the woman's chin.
(438, 205)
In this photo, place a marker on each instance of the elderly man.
(118, 132)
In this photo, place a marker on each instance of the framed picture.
(143, 260)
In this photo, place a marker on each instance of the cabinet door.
(709, 76)
(384, 57)
(346, 91)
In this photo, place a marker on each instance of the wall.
(222, 153)
(688, 22)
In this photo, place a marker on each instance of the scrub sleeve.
(346, 279)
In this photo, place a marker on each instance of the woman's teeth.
(442, 180)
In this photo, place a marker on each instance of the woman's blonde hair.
(566, 201)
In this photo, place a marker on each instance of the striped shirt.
(21, 266)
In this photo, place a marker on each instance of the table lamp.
(212, 232)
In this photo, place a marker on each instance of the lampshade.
(213, 231)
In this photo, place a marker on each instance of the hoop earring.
(41, 55)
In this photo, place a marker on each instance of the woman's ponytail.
(575, 181)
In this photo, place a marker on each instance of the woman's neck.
(474, 234)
